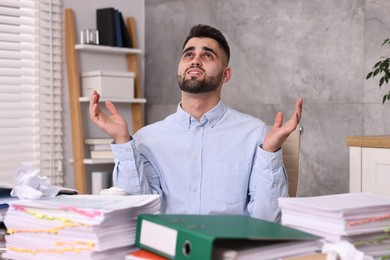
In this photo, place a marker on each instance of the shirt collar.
(211, 117)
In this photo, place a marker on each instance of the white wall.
(85, 18)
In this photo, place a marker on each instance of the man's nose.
(196, 61)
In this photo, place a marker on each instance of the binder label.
(165, 242)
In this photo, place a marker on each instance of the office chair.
(290, 149)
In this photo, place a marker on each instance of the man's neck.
(198, 104)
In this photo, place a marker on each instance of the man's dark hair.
(206, 31)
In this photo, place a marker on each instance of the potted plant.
(382, 68)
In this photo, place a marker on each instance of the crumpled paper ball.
(29, 185)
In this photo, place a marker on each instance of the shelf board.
(118, 100)
(95, 161)
(106, 49)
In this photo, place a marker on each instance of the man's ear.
(227, 73)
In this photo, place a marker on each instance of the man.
(206, 158)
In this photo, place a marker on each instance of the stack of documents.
(360, 218)
(194, 237)
(79, 226)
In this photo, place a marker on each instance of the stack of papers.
(80, 226)
(360, 218)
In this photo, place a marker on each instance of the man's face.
(201, 67)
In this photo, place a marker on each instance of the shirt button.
(194, 189)
(128, 149)
(195, 158)
(134, 174)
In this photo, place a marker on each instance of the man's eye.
(187, 55)
(208, 55)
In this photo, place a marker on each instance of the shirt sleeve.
(268, 182)
(132, 171)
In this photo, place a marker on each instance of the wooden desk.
(369, 164)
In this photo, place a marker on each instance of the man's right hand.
(114, 125)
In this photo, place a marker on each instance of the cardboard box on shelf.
(110, 84)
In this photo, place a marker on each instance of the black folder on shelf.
(127, 41)
(105, 24)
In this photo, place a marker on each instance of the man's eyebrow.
(205, 48)
(191, 48)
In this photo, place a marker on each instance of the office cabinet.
(369, 164)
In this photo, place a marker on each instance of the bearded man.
(206, 158)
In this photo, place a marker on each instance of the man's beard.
(195, 86)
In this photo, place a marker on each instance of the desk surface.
(378, 141)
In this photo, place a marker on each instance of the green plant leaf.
(382, 67)
(381, 81)
(385, 63)
(377, 64)
(376, 72)
(386, 97)
(387, 72)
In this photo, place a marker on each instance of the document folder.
(193, 236)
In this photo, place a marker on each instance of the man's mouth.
(194, 72)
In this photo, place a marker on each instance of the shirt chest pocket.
(230, 181)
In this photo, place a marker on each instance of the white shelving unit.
(95, 161)
(116, 100)
(79, 161)
(106, 49)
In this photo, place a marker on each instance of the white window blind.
(31, 33)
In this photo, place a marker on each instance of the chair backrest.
(290, 149)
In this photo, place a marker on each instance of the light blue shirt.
(211, 166)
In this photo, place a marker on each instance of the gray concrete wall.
(320, 50)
